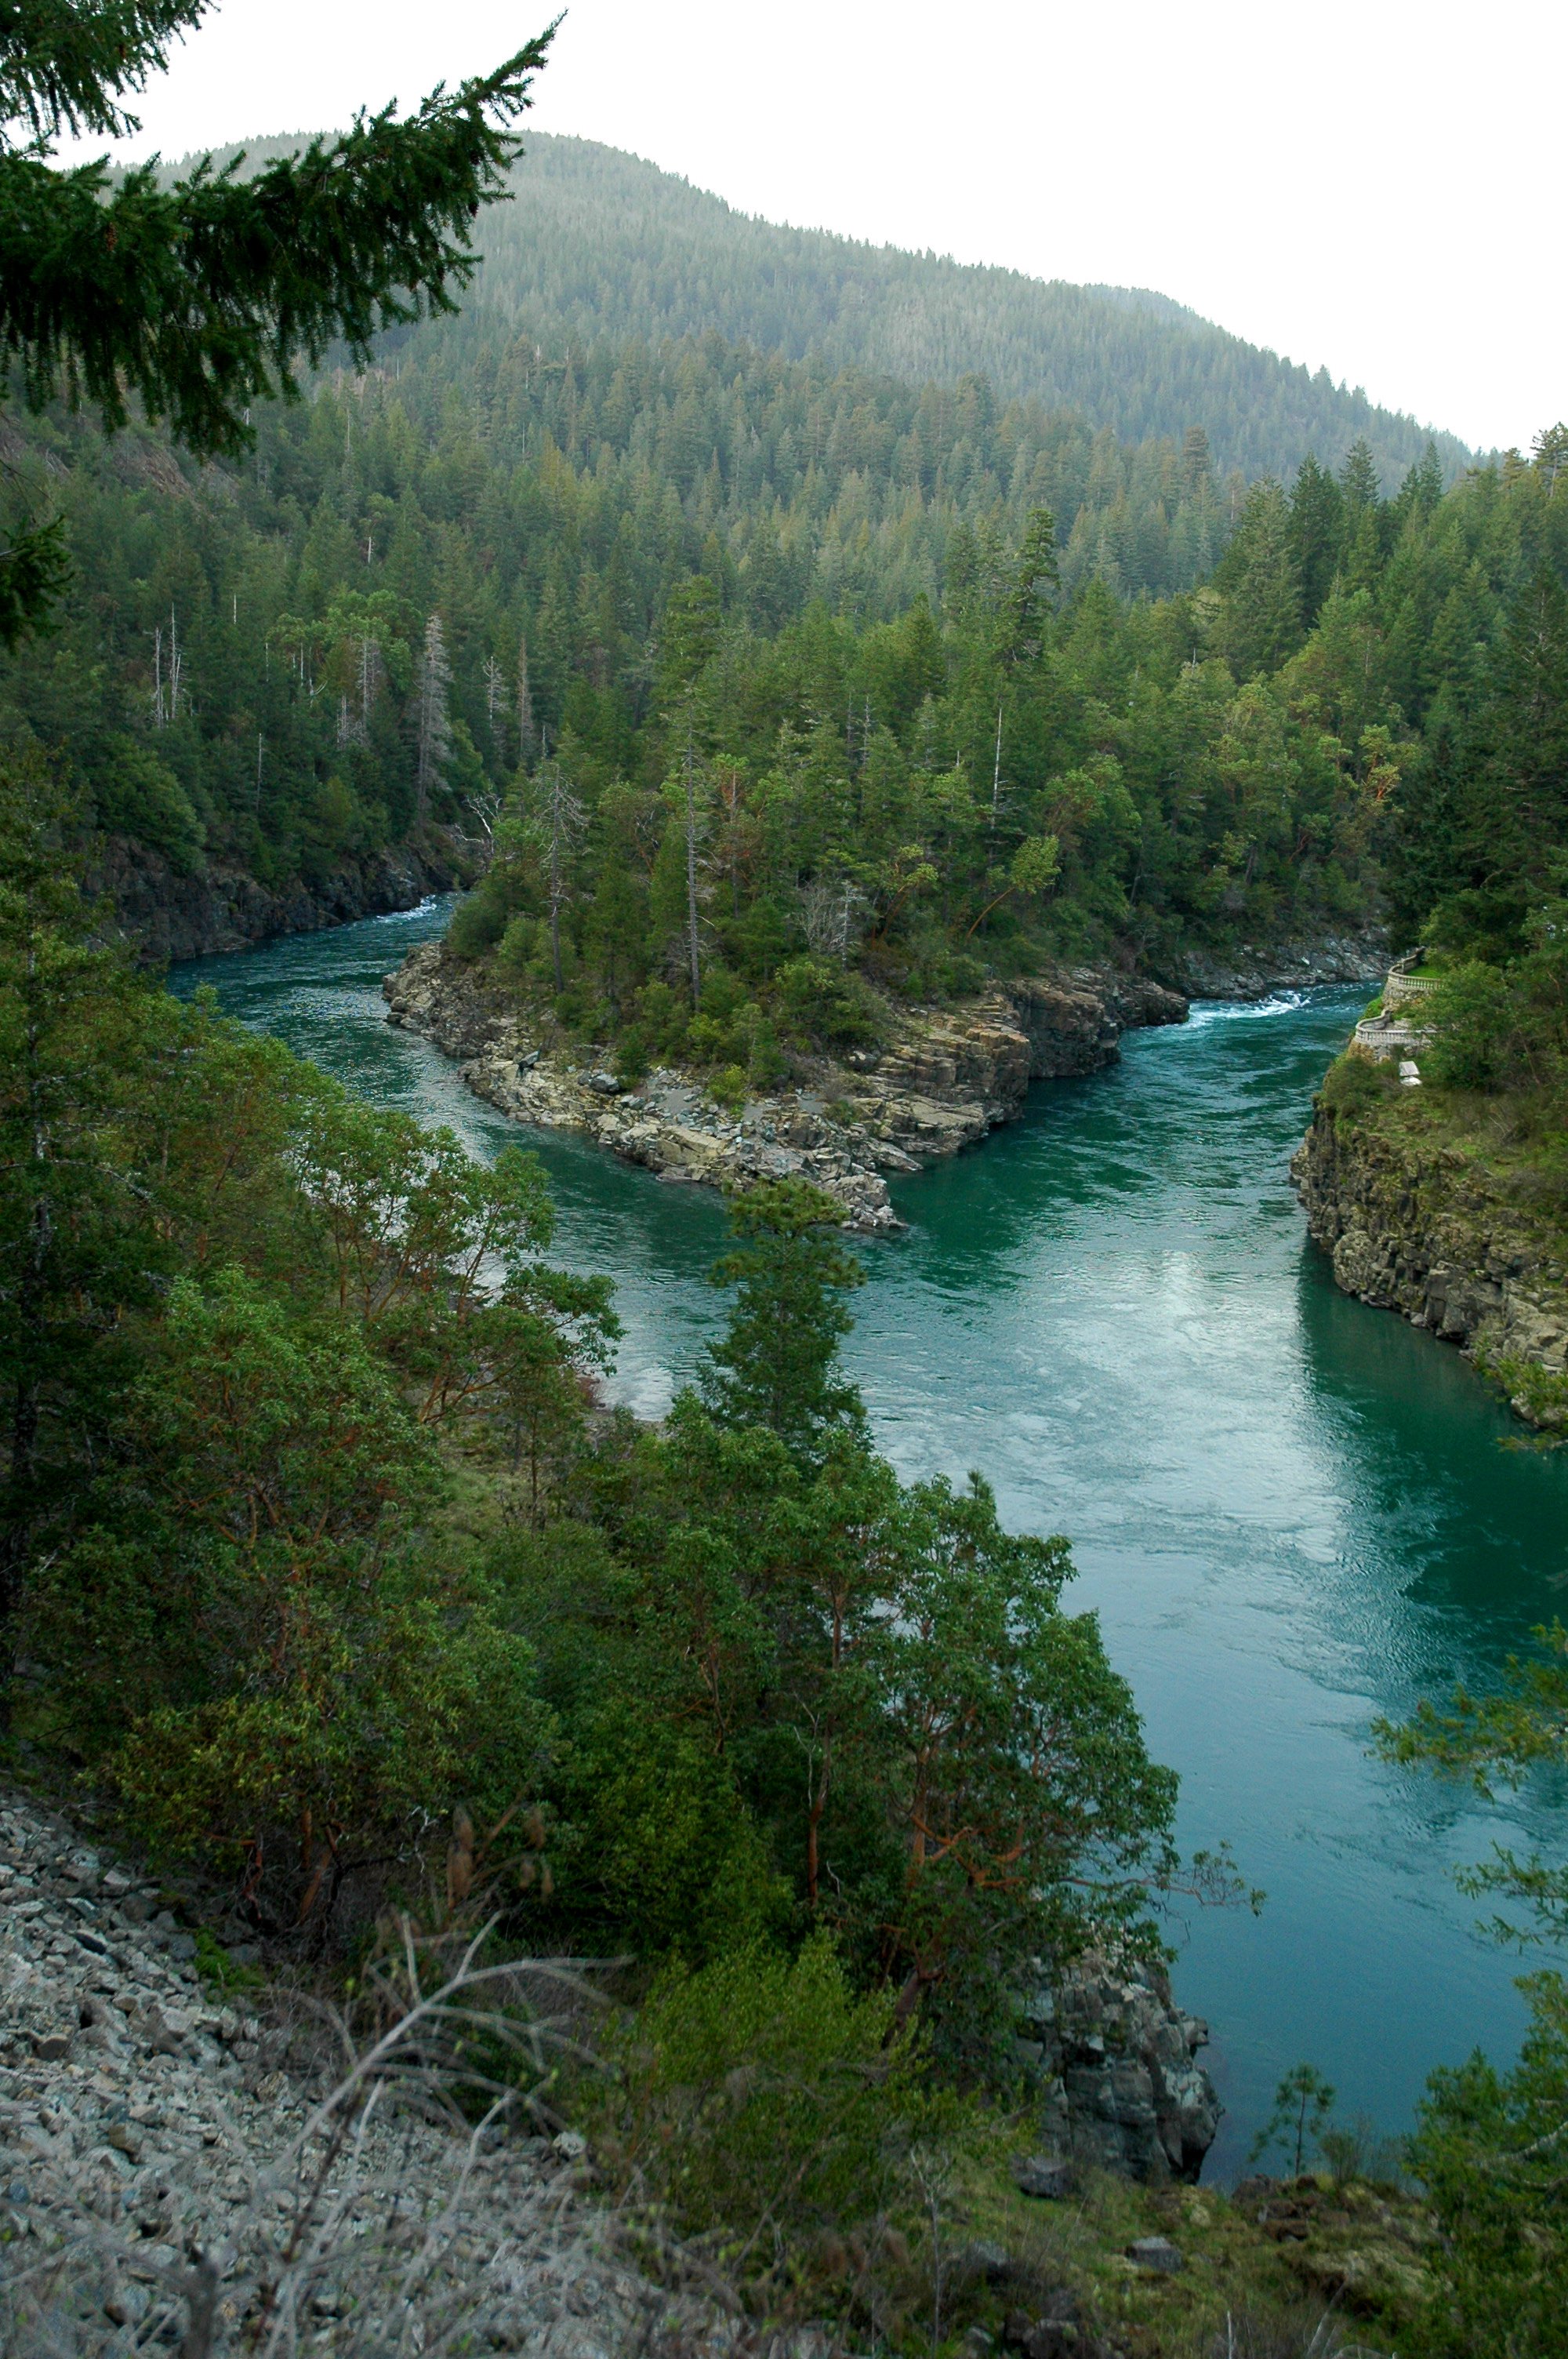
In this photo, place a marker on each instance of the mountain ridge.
(598, 242)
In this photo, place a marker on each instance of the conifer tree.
(435, 728)
(528, 735)
(1035, 580)
(1262, 624)
(1317, 526)
(1198, 466)
(777, 1364)
(560, 823)
(195, 301)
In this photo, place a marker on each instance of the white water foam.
(1206, 1012)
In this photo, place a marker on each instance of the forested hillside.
(423, 580)
(240, 651)
(598, 244)
(292, 663)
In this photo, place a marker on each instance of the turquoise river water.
(1292, 1513)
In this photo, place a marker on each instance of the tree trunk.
(691, 874)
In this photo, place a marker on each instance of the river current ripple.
(1292, 1513)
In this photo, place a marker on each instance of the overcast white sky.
(1368, 184)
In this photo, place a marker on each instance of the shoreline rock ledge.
(1112, 2063)
(1412, 1225)
(944, 1078)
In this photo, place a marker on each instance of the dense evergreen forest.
(598, 243)
(920, 723)
(783, 687)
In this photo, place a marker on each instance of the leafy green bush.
(825, 1006)
(479, 922)
(518, 947)
(657, 1846)
(1354, 1084)
(763, 2097)
(1542, 1393)
(1477, 1036)
(766, 1063)
(631, 1056)
(137, 795)
(218, 1969)
(1488, 2148)
(662, 1017)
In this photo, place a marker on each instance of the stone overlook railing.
(1391, 1033)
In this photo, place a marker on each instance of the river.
(1292, 1513)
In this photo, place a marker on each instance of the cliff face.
(1113, 2064)
(945, 1078)
(1415, 1225)
(174, 917)
(1254, 970)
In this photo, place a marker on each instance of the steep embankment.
(180, 2170)
(171, 914)
(179, 2167)
(944, 1078)
(1254, 970)
(1446, 1228)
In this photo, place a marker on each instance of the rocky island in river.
(944, 1078)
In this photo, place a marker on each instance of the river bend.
(1292, 1513)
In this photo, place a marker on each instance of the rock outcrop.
(1255, 968)
(173, 915)
(945, 1078)
(1413, 1225)
(1114, 2065)
(167, 2181)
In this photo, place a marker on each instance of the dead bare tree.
(435, 728)
(497, 709)
(559, 822)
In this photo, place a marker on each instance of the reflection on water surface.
(1291, 1512)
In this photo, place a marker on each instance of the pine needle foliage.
(195, 301)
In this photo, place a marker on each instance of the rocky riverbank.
(1254, 970)
(1419, 1222)
(173, 915)
(945, 1077)
(1114, 2065)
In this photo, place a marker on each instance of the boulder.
(1113, 2065)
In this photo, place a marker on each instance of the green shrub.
(826, 1006)
(662, 1016)
(656, 1844)
(139, 795)
(519, 947)
(954, 974)
(708, 1038)
(1487, 2149)
(727, 1088)
(763, 2094)
(478, 921)
(1478, 1041)
(1540, 1394)
(218, 1969)
(631, 1056)
(1354, 1084)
